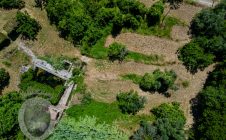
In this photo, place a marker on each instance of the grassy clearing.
(157, 30)
(108, 113)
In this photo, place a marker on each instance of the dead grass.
(16, 59)
(5, 15)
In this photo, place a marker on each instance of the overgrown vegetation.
(43, 82)
(168, 125)
(4, 79)
(130, 102)
(9, 107)
(86, 128)
(208, 29)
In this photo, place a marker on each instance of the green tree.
(12, 4)
(4, 78)
(27, 26)
(9, 107)
(85, 129)
(130, 102)
(117, 51)
(194, 57)
(154, 13)
(169, 124)
(208, 23)
(171, 111)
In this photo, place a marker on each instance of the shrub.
(4, 78)
(117, 52)
(158, 81)
(27, 26)
(155, 12)
(194, 57)
(130, 22)
(130, 102)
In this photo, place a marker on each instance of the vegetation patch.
(168, 125)
(156, 81)
(86, 128)
(130, 102)
(43, 82)
(10, 104)
(142, 58)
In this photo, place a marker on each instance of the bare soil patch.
(180, 33)
(148, 3)
(185, 13)
(148, 45)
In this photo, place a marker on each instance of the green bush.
(130, 102)
(158, 81)
(8, 4)
(194, 57)
(4, 78)
(154, 13)
(117, 51)
(27, 26)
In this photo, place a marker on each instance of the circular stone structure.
(35, 118)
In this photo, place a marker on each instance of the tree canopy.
(27, 26)
(8, 4)
(168, 125)
(9, 107)
(4, 78)
(130, 102)
(208, 44)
